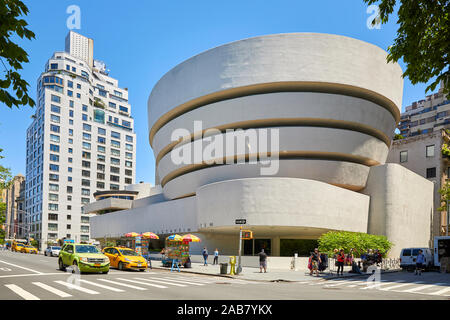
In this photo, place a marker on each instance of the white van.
(408, 258)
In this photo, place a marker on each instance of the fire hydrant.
(232, 264)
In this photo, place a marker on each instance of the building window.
(86, 164)
(54, 66)
(54, 147)
(115, 152)
(100, 185)
(53, 197)
(70, 93)
(69, 189)
(53, 207)
(84, 117)
(128, 181)
(54, 128)
(403, 156)
(86, 127)
(55, 109)
(70, 84)
(128, 172)
(430, 151)
(86, 136)
(99, 116)
(54, 138)
(54, 157)
(112, 105)
(100, 176)
(86, 145)
(114, 178)
(85, 192)
(53, 187)
(115, 170)
(85, 183)
(115, 143)
(85, 173)
(101, 131)
(129, 138)
(114, 186)
(56, 99)
(53, 167)
(101, 140)
(115, 135)
(431, 172)
(101, 149)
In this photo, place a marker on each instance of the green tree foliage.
(360, 242)
(5, 175)
(12, 25)
(423, 38)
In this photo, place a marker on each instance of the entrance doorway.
(253, 247)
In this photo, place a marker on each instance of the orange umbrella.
(174, 237)
(132, 234)
(191, 238)
(150, 235)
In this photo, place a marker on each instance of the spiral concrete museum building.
(333, 103)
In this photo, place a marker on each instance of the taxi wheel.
(45, 253)
(141, 270)
(61, 265)
(120, 266)
(105, 272)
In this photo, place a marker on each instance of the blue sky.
(141, 40)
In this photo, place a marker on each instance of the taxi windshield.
(129, 253)
(87, 249)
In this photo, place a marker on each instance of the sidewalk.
(253, 274)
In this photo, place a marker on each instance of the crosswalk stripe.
(182, 281)
(373, 284)
(147, 284)
(338, 284)
(400, 285)
(164, 282)
(102, 286)
(21, 292)
(201, 280)
(74, 286)
(422, 287)
(440, 292)
(123, 284)
(58, 292)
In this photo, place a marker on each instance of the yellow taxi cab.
(28, 249)
(17, 246)
(125, 258)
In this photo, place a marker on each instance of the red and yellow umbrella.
(191, 238)
(150, 235)
(132, 234)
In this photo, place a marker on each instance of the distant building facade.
(15, 210)
(427, 115)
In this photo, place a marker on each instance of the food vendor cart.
(175, 249)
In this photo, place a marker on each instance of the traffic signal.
(247, 234)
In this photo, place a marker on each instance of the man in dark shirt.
(262, 261)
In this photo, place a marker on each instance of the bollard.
(232, 264)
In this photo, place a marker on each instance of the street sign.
(241, 221)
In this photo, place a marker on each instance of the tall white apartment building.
(81, 141)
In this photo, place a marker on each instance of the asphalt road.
(36, 277)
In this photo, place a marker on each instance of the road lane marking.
(440, 292)
(33, 275)
(401, 285)
(20, 292)
(140, 282)
(73, 286)
(102, 286)
(58, 292)
(374, 284)
(421, 287)
(182, 281)
(123, 284)
(14, 265)
(163, 282)
(339, 284)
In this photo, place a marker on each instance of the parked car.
(125, 258)
(85, 257)
(52, 251)
(408, 258)
(28, 249)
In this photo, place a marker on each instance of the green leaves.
(360, 242)
(423, 39)
(12, 55)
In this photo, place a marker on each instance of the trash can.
(223, 268)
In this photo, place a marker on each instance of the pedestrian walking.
(315, 260)
(340, 261)
(216, 257)
(349, 258)
(205, 256)
(262, 261)
(420, 260)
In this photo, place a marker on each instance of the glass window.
(53, 187)
(126, 123)
(100, 185)
(403, 156)
(128, 155)
(52, 197)
(70, 93)
(55, 109)
(85, 108)
(118, 93)
(129, 147)
(53, 167)
(86, 127)
(129, 138)
(84, 117)
(56, 99)
(114, 186)
(112, 105)
(101, 157)
(54, 66)
(101, 140)
(70, 132)
(115, 161)
(85, 192)
(54, 157)
(115, 134)
(101, 149)
(431, 172)
(54, 128)
(101, 131)
(70, 84)
(78, 86)
(54, 147)
(430, 151)
(54, 138)
(115, 143)
(70, 141)
(71, 113)
(70, 150)
(54, 118)
(115, 152)
(53, 177)
(99, 116)
(86, 136)
(128, 164)
(78, 96)
(53, 207)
